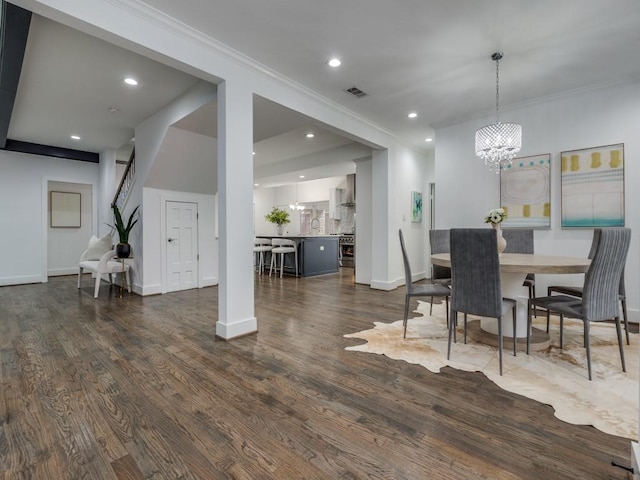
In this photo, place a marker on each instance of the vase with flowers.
(495, 217)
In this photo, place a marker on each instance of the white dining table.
(514, 268)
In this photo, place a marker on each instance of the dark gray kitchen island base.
(317, 255)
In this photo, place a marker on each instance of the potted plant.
(279, 217)
(123, 249)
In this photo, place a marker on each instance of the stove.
(347, 251)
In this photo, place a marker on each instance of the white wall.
(466, 189)
(155, 239)
(24, 211)
(63, 244)
(186, 162)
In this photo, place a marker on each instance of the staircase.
(126, 182)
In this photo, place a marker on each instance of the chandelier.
(497, 144)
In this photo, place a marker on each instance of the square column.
(236, 315)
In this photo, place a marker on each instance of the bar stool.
(261, 245)
(282, 246)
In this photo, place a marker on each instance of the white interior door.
(182, 245)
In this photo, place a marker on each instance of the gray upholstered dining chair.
(577, 291)
(521, 241)
(599, 301)
(476, 287)
(421, 290)
(439, 243)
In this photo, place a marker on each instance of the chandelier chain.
(498, 90)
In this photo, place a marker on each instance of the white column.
(236, 314)
(107, 189)
(384, 231)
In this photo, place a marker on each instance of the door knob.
(170, 240)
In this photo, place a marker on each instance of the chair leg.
(80, 270)
(586, 342)
(128, 277)
(97, 286)
(451, 332)
(273, 256)
(446, 300)
(548, 314)
(620, 347)
(532, 294)
(500, 342)
(296, 260)
(281, 264)
(407, 299)
(515, 336)
(431, 307)
(529, 327)
(465, 329)
(561, 330)
(623, 300)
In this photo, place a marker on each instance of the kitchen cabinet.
(317, 255)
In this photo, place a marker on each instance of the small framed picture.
(65, 209)
(416, 207)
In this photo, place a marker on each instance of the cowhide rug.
(552, 376)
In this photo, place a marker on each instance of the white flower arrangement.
(495, 216)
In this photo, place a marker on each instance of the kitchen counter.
(317, 254)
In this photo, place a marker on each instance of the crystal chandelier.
(497, 144)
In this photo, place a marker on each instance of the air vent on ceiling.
(355, 91)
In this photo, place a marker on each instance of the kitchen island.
(317, 254)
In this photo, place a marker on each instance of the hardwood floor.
(133, 388)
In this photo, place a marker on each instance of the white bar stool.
(282, 246)
(261, 245)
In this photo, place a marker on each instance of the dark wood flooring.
(133, 388)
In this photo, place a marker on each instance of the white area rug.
(553, 376)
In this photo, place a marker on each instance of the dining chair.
(420, 290)
(577, 291)
(600, 297)
(476, 286)
(439, 243)
(521, 241)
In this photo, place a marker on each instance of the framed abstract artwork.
(592, 182)
(525, 192)
(65, 209)
(416, 207)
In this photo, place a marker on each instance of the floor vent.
(355, 91)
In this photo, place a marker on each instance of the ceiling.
(427, 56)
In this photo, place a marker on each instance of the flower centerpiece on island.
(495, 217)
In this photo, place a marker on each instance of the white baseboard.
(6, 281)
(148, 289)
(386, 286)
(57, 272)
(209, 281)
(238, 328)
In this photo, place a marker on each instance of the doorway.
(182, 245)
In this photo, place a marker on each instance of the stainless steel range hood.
(349, 198)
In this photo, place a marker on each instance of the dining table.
(514, 268)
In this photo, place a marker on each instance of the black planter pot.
(123, 250)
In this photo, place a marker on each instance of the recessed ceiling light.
(256, 184)
(113, 110)
(75, 137)
(310, 135)
(130, 81)
(412, 115)
(301, 176)
(334, 62)
(428, 139)
(253, 153)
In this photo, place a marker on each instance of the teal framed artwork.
(592, 182)
(416, 207)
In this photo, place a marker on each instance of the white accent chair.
(282, 246)
(260, 246)
(106, 265)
